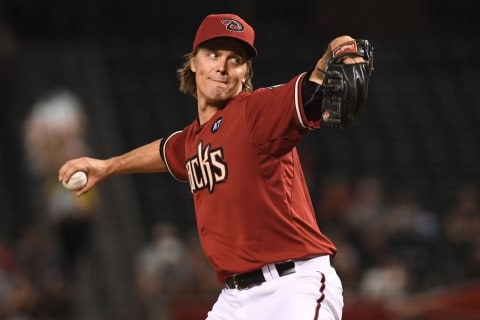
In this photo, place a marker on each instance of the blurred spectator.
(201, 292)
(406, 214)
(204, 283)
(386, 281)
(16, 295)
(163, 271)
(348, 262)
(333, 201)
(361, 220)
(462, 221)
(38, 262)
(367, 203)
(55, 130)
(462, 230)
(71, 218)
(408, 233)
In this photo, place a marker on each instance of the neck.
(205, 112)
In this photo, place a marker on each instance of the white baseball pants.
(313, 292)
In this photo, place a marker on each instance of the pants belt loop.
(270, 272)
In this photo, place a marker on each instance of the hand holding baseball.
(83, 174)
(77, 181)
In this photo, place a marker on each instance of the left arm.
(319, 70)
(347, 65)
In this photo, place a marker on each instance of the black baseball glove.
(345, 86)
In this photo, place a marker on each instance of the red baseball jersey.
(251, 200)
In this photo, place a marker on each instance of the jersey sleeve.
(276, 117)
(172, 151)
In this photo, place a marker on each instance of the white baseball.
(77, 181)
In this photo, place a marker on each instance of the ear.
(247, 75)
(193, 63)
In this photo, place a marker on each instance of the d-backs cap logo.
(233, 25)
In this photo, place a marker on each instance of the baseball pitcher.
(254, 215)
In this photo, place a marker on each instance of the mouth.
(222, 81)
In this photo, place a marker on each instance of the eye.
(237, 60)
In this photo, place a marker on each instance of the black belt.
(254, 278)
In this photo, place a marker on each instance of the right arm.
(144, 159)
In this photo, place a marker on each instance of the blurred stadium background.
(398, 193)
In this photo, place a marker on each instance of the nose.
(222, 64)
